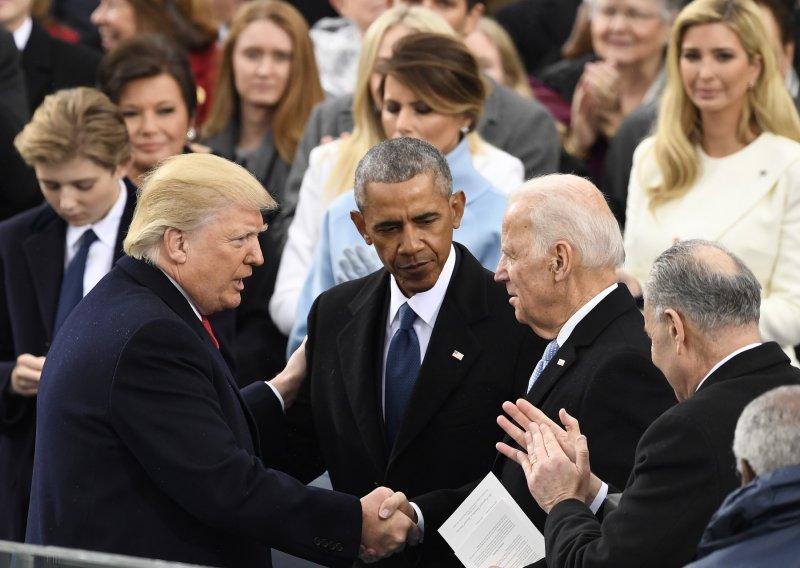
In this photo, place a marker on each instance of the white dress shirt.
(23, 33)
(101, 252)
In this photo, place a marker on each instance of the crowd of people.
(247, 242)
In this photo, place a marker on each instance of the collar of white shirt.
(425, 304)
(572, 322)
(106, 228)
(725, 360)
(23, 33)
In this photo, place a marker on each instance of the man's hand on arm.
(386, 528)
(288, 381)
(25, 375)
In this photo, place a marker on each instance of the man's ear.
(457, 203)
(175, 245)
(337, 5)
(358, 221)
(748, 474)
(676, 329)
(561, 260)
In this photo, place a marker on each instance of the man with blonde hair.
(145, 446)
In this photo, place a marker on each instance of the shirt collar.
(425, 304)
(183, 293)
(572, 322)
(725, 360)
(23, 33)
(106, 228)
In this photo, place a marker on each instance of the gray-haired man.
(701, 312)
(408, 367)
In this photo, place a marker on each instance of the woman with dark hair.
(149, 78)
(267, 86)
(50, 257)
(188, 23)
(431, 89)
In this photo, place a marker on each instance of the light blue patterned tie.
(549, 352)
(402, 368)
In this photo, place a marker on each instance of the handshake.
(388, 524)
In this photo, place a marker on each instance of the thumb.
(582, 454)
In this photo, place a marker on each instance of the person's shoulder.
(322, 153)
(26, 222)
(508, 101)
(330, 109)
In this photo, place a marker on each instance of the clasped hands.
(556, 463)
(388, 524)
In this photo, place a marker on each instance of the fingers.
(26, 374)
(582, 454)
(570, 422)
(512, 430)
(397, 501)
(514, 454)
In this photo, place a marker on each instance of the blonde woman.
(724, 163)
(499, 59)
(268, 84)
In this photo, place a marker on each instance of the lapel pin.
(458, 355)
(560, 362)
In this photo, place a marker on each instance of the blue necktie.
(72, 285)
(402, 368)
(549, 352)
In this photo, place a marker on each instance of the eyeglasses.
(629, 13)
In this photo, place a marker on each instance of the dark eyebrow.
(429, 216)
(387, 225)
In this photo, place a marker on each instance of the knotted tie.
(72, 285)
(551, 349)
(402, 368)
(207, 325)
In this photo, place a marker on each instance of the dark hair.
(142, 57)
(187, 22)
(441, 71)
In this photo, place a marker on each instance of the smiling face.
(157, 120)
(79, 190)
(715, 69)
(405, 115)
(115, 21)
(629, 32)
(218, 256)
(411, 225)
(529, 281)
(262, 63)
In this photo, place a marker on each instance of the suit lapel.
(44, 253)
(125, 220)
(37, 63)
(360, 345)
(610, 308)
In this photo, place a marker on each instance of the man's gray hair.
(768, 431)
(399, 160)
(710, 296)
(561, 209)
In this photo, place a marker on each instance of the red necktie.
(207, 325)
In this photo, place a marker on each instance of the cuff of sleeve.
(420, 520)
(599, 498)
(279, 397)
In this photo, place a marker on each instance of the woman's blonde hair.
(768, 106)
(303, 90)
(516, 78)
(79, 122)
(367, 127)
(185, 192)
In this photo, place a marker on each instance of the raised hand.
(524, 413)
(382, 537)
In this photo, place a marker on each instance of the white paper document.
(490, 529)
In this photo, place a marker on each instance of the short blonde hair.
(75, 122)
(186, 191)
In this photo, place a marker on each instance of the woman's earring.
(751, 85)
(465, 130)
(191, 134)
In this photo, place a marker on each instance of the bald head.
(707, 284)
(564, 207)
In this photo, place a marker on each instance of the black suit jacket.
(604, 377)
(51, 64)
(146, 447)
(31, 269)
(684, 469)
(448, 434)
